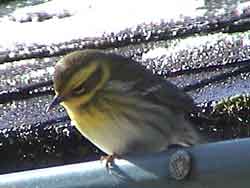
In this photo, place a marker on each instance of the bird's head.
(79, 76)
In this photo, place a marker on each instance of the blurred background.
(202, 46)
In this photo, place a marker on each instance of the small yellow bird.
(120, 106)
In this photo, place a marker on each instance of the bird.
(120, 105)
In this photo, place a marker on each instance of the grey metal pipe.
(217, 165)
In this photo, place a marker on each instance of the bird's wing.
(140, 81)
(157, 89)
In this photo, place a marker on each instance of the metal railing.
(222, 164)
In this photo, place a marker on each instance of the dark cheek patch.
(89, 84)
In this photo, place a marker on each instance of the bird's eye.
(80, 89)
(89, 84)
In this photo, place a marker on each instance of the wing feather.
(153, 87)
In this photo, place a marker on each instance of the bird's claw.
(109, 160)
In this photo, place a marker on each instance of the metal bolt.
(179, 164)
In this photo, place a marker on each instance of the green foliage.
(236, 106)
(232, 116)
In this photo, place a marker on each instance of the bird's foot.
(109, 160)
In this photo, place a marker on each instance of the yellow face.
(77, 83)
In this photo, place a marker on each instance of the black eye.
(89, 84)
(79, 89)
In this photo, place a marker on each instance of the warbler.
(120, 106)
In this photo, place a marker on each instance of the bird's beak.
(56, 101)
